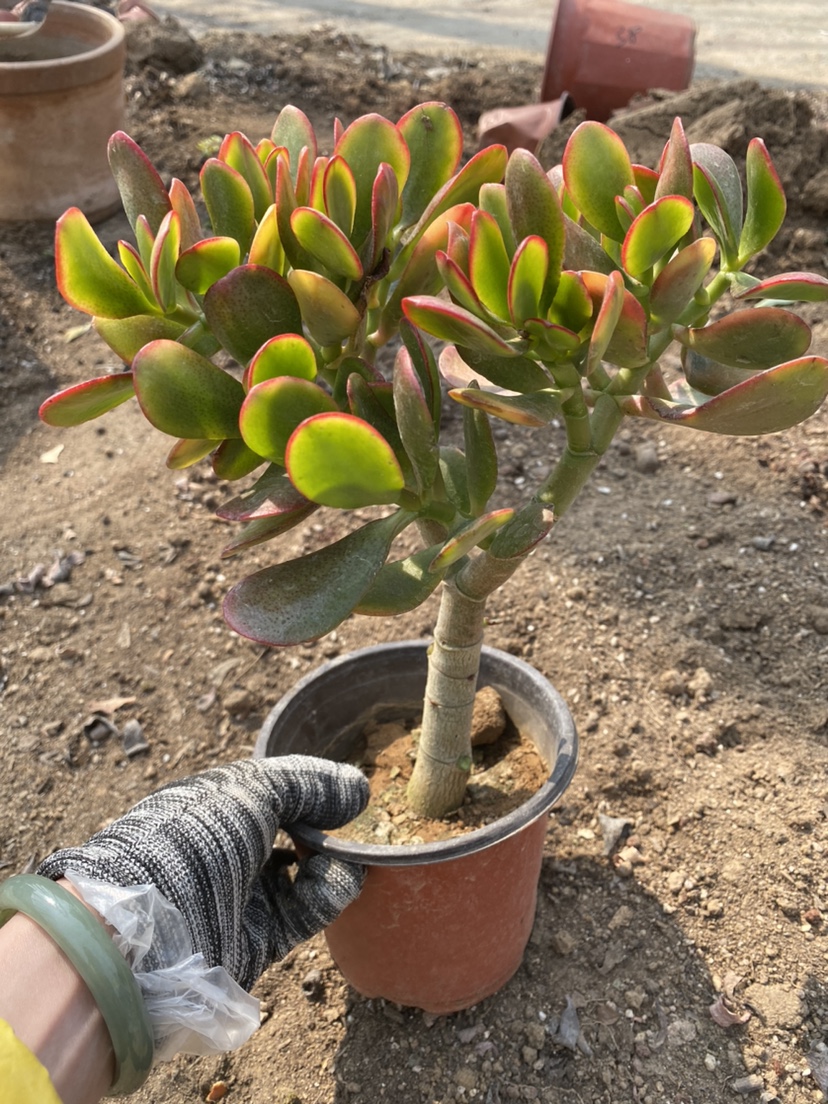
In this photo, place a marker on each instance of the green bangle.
(90, 949)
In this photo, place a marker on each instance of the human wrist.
(67, 1032)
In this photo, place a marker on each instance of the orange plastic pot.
(438, 926)
(61, 96)
(603, 52)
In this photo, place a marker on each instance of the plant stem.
(443, 765)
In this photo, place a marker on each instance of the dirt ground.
(681, 609)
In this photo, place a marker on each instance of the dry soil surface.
(681, 609)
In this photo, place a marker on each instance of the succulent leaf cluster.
(250, 320)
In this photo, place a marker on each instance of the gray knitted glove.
(206, 843)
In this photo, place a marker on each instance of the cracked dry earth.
(681, 609)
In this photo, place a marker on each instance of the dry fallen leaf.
(216, 1092)
(52, 455)
(109, 705)
(722, 1014)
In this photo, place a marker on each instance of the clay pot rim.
(114, 37)
(540, 804)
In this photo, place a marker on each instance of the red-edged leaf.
(200, 266)
(477, 530)
(340, 193)
(237, 151)
(87, 400)
(597, 168)
(757, 338)
(305, 598)
(229, 202)
(272, 495)
(88, 278)
(165, 251)
(266, 247)
(606, 320)
(718, 192)
(572, 306)
(274, 408)
(628, 345)
(655, 232)
(536, 409)
(454, 324)
(414, 421)
(183, 205)
(234, 460)
(527, 279)
(465, 367)
(675, 170)
(142, 189)
(766, 204)
(792, 287)
(535, 210)
(125, 336)
(489, 264)
(323, 239)
(385, 200)
(677, 283)
(767, 402)
(434, 138)
(265, 529)
(285, 355)
(365, 145)
(184, 394)
(249, 306)
(293, 131)
(330, 315)
(338, 460)
(185, 452)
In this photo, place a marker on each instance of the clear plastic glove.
(206, 843)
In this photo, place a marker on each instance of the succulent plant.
(556, 294)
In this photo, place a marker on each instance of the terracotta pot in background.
(438, 926)
(603, 52)
(61, 97)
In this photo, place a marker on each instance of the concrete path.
(776, 41)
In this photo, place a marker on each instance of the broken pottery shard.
(97, 729)
(133, 740)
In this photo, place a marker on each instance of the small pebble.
(750, 1084)
(763, 544)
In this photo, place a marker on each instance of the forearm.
(51, 1010)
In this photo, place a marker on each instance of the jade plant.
(251, 325)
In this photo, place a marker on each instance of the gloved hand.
(206, 843)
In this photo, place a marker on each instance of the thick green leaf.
(323, 239)
(266, 247)
(183, 205)
(707, 377)
(628, 345)
(285, 355)
(550, 341)
(340, 194)
(202, 264)
(425, 366)
(535, 210)
(767, 402)
(142, 190)
(373, 402)
(286, 204)
(527, 279)
(677, 283)
(597, 168)
(229, 202)
(131, 260)
(294, 132)
(572, 307)
(402, 585)
(385, 202)
(454, 470)
(274, 408)
(654, 232)
(163, 259)
(339, 460)
(414, 422)
(305, 598)
(185, 453)
(582, 252)
(526, 529)
(675, 171)
(493, 199)
(718, 192)
(234, 460)
(757, 338)
(537, 409)
(237, 151)
(125, 336)
(248, 306)
(272, 495)
(766, 203)
(459, 286)
(87, 400)
(606, 320)
(489, 265)
(329, 314)
(462, 367)
(646, 183)
(365, 145)
(264, 529)
(481, 459)
(453, 323)
(434, 138)
(144, 239)
(88, 278)
(472, 534)
(184, 394)
(792, 287)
